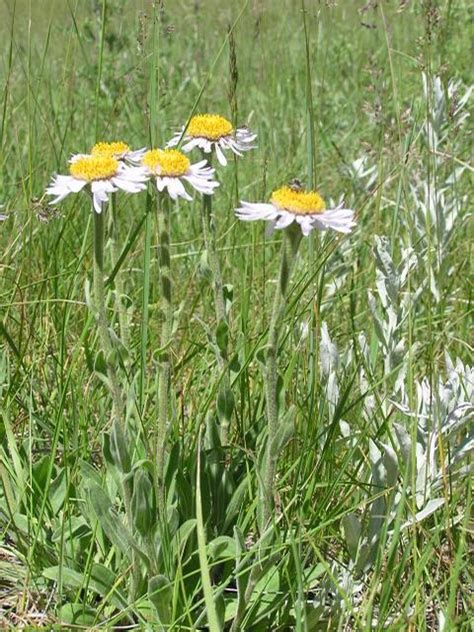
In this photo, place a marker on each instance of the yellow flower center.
(210, 126)
(115, 149)
(166, 162)
(94, 168)
(298, 202)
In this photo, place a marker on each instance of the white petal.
(190, 144)
(220, 156)
(128, 185)
(200, 169)
(206, 144)
(170, 187)
(234, 147)
(176, 138)
(102, 186)
(205, 172)
(266, 211)
(182, 191)
(340, 220)
(244, 139)
(203, 185)
(62, 183)
(61, 186)
(76, 185)
(98, 198)
(59, 198)
(250, 212)
(136, 174)
(243, 148)
(201, 166)
(160, 183)
(284, 220)
(245, 135)
(136, 155)
(57, 189)
(306, 223)
(345, 214)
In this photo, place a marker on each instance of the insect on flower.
(170, 167)
(295, 204)
(212, 132)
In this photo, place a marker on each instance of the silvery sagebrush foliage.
(439, 206)
(391, 311)
(333, 365)
(443, 413)
(369, 401)
(439, 211)
(447, 107)
(363, 173)
(331, 362)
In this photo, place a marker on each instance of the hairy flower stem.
(119, 286)
(104, 335)
(209, 232)
(289, 248)
(108, 351)
(164, 369)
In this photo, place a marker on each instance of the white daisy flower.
(118, 150)
(104, 175)
(170, 167)
(212, 132)
(306, 208)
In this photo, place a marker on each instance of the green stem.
(289, 248)
(209, 233)
(104, 336)
(107, 349)
(119, 286)
(164, 370)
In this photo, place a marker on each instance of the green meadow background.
(375, 337)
